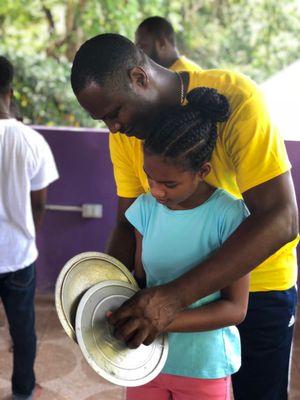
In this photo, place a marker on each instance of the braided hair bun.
(209, 103)
(187, 135)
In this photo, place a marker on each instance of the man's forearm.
(258, 237)
(121, 244)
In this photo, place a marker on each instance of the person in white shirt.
(27, 167)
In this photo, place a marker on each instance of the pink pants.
(174, 387)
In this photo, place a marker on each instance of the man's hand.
(145, 315)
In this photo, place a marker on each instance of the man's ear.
(204, 170)
(138, 78)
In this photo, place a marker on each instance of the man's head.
(6, 77)
(113, 81)
(156, 37)
(105, 60)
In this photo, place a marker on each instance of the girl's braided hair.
(188, 134)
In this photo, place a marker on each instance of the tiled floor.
(60, 368)
(63, 373)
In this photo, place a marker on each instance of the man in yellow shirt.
(156, 37)
(117, 83)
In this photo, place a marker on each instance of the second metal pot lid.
(109, 357)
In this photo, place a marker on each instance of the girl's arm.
(139, 272)
(229, 310)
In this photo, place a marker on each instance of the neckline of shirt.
(190, 210)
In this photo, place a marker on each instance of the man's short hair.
(104, 59)
(159, 27)
(6, 75)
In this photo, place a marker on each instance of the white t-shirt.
(26, 164)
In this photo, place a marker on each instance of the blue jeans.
(266, 338)
(17, 291)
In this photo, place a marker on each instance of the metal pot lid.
(109, 357)
(77, 276)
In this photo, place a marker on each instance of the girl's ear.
(204, 170)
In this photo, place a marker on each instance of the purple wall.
(82, 158)
(293, 149)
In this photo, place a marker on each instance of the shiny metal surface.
(77, 276)
(109, 357)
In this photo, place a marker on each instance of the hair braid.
(188, 134)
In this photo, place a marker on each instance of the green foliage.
(42, 91)
(40, 37)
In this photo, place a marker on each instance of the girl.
(179, 224)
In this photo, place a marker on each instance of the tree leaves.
(40, 37)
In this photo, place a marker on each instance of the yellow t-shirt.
(248, 152)
(185, 64)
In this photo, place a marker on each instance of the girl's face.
(173, 186)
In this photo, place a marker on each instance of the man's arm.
(229, 310)
(121, 243)
(273, 223)
(38, 201)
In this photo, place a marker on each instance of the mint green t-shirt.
(175, 241)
